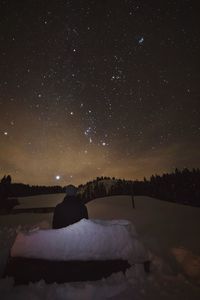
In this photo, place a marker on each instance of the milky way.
(91, 88)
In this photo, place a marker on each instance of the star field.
(91, 88)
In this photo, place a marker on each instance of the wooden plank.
(25, 270)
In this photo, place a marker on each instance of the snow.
(115, 287)
(108, 183)
(84, 240)
(49, 200)
(169, 231)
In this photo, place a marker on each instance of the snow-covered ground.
(40, 201)
(170, 232)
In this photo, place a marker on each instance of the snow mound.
(115, 287)
(189, 262)
(84, 240)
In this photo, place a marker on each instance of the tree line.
(180, 186)
(9, 191)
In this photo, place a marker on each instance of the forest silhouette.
(180, 186)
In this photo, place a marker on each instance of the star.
(141, 40)
(69, 99)
(88, 131)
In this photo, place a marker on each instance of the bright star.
(57, 177)
(141, 40)
(88, 131)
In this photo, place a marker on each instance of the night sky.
(92, 88)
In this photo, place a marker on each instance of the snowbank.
(84, 240)
(169, 231)
(116, 287)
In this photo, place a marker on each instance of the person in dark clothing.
(70, 210)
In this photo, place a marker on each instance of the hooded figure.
(70, 210)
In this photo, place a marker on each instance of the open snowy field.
(170, 233)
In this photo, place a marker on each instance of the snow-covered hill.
(107, 183)
(170, 233)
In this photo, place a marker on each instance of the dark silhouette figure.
(70, 210)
